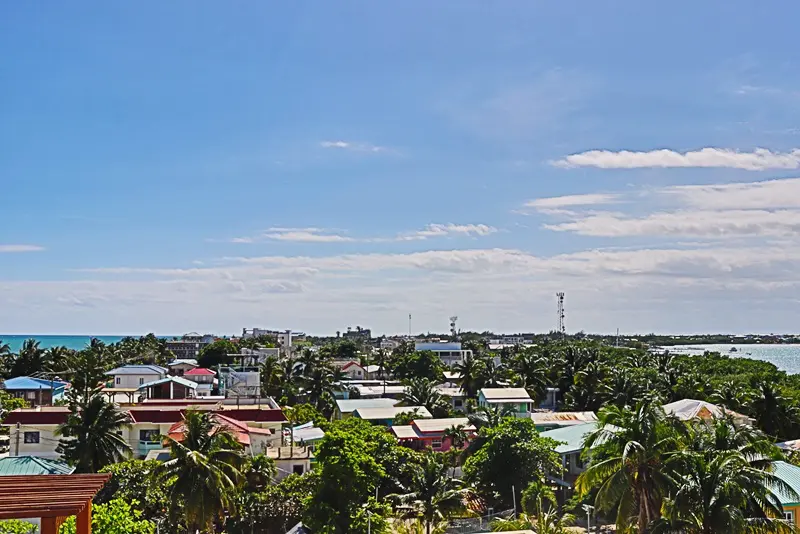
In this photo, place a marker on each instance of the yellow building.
(791, 506)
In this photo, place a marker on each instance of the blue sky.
(208, 166)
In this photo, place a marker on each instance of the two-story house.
(36, 391)
(133, 376)
(180, 367)
(514, 400)
(205, 379)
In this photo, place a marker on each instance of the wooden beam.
(83, 522)
(49, 525)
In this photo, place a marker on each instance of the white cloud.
(769, 208)
(758, 160)
(321, 235)
(353, 146)
(20, 248)
(448, 230)
(566, 201)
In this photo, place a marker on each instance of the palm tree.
(204, 470)
(30, 359)
(775, 414)
(319, 385)
(732, 395)
(489, 416)
(271, 377)
(455, 435)
(431, 494)
(422, 392)
(5, 358)
(491, 375)
(532, 372)
(92, 433)
(469, 372)
(631, 464)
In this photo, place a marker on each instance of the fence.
(472, 525)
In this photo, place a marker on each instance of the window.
(118, 380)
(458, 403)
(141, 381)
(31, 437)
(30, 395)
(788, 516)
(148, 435)
(578, 461)
(298, 469)
(436, 443)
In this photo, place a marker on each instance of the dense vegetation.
(650, 474)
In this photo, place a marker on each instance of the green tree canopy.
(216, 353)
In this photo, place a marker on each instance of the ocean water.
(785, 357)
(71, 342)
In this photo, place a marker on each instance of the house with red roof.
(206, 380)
(432, 433)
(255, 440)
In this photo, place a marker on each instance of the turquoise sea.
(71, 342)
(785, 357)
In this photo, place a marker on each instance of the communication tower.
(562, 329)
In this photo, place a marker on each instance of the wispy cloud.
(566, 201)
(769, 208)
(353, 146)
(758, 160)
(20, 248)
(322, 235)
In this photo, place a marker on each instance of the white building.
(133, 376)
(450, 353)
(514, 400)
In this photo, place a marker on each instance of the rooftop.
(137, 370)
(440, 425)
(27, 382)
(686, 409)
(351, 405)
(563, 418)
(505, 395)
(32, 465)
(183, 361)
(571, 437)
(791, 475)
(175, 379)
(390, 412)
(199, 371)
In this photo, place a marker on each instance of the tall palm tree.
(271, 377)
(92, 433)
(491, 375)
(5, 358)
(204, 470)
(319, 386)
(775, 414)
(489, 416)
(422, 392)
(469, 375)
(30, 359)
(431, 494)
(732, 395)
(531, 370)
(631, 464)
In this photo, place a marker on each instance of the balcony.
(147, 446)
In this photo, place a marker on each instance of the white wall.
(46, 448)
(133, 381)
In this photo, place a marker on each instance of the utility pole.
(17, 442)
(409, 325)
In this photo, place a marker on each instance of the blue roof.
(437, 346)
(27, 382)
(137, 370)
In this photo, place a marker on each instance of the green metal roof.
(791, 475)
(571, 437)
(33, 465)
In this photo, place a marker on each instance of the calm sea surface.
(785, 357)
(71, 342)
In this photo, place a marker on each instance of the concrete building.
(170, 387)
(430, 433)
(206, 380)
(450, 353)
(189, 345)
(515, 400)
(133, 376)
(179, 367)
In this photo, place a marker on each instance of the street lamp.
(588, 508)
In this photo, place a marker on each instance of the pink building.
(425, 433)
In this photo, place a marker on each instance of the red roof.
(199, 371)
(30, 417)
(239, 430)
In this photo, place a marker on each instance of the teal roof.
(571, 437)
(33, 465)
(791, 475)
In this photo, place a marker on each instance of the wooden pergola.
(53, 498)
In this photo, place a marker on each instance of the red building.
(431, 433)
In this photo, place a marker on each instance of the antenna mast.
(453, 329)
(562, 328)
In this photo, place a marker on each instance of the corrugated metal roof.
(32, 465)
(791, 475)
(405, 432)
(137, 370)
(390, 412)
(563, 418)
(571, 437)
(506, 394)
(176, 379)
(27, 382)
(440, 425)
(351, 405)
